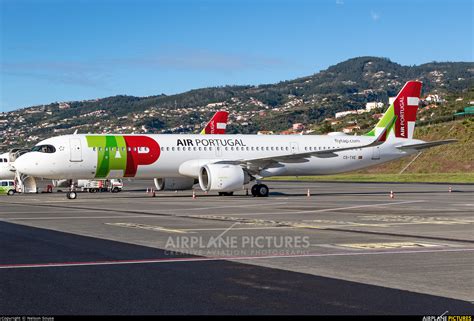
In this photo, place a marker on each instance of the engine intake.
(222, 177)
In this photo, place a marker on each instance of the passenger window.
(200, 148)
(205, 149)
(11, 183)
(178, 149)
(4, 183)
(162, 149)
(252, 148)
(194, 149)
(167, 149)
(1, 160)
(172, 149)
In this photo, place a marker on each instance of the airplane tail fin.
(217, 124)
(400, 116)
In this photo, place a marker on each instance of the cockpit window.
(44, 149)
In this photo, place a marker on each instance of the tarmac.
(347, 248)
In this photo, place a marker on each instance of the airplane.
(226, 163)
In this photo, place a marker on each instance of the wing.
(421, 146)
(254, 165)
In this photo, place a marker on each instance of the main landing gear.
(260, 190)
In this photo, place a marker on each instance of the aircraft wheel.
(254, 190)
(71, 195)
(115, 190)
(262, 190)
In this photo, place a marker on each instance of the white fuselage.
(6, 168)
(182, 155)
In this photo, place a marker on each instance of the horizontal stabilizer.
(422, 146)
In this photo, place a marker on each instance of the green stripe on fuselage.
(111, 153)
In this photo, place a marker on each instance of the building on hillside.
(350, 129)
(345, 113)
(372, 105)
(468, 112)
(298, 126)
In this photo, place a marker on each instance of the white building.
(345, 113)
(373, 105)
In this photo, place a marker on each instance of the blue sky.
(55, 50)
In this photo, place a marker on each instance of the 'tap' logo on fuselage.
(124, 153)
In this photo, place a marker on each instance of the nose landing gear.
(71, 195)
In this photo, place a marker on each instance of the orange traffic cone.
(194, 194)
(392, 195)
(450, 189)
(308, 194)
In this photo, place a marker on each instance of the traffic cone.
(308, 194)
(194, 194)
(392, 195)
(450, 189)
(147, 190)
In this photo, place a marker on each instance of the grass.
(388, 178)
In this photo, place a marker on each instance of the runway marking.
(147, 227)
(239, 228)
(389, 245)
(336, 208)
(73, 217)
(203, 259)
(229, 206)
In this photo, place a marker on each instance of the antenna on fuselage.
(75, 132)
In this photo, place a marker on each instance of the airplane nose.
(22, 164)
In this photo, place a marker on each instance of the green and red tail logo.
(401, 114)
(126, 153)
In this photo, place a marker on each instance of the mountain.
(345, 86)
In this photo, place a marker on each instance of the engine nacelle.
(222, 177)
(173, 183)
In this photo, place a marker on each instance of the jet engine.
(173, 183)
(222, 177)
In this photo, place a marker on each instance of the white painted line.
(240, 228)
(229, 206)
(335, 209)
(72, 217)
(203, 259)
